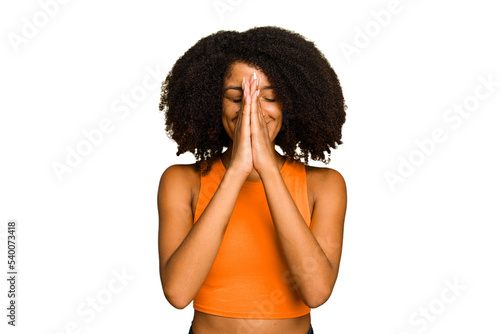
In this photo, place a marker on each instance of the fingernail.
(254, 75)
(244, 94)
(243, 83)
(258, 92)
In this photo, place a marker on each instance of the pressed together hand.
(252, 147)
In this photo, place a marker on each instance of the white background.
(403, 246)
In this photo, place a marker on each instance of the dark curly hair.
(306, 85)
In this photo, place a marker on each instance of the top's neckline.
(257, 184)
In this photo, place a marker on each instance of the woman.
(251, 236)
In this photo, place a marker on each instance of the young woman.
(251, 236)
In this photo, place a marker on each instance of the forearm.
(189, 265)
(310, 269)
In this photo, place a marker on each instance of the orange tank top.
(250, 278)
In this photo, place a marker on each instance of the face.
(232, 100)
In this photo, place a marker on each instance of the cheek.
(228, 118)
(274, 111)
(230, 109)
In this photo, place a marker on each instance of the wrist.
(234, 177)
(270, 173)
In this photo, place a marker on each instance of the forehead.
(240, 70)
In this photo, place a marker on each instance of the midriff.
(204, 323)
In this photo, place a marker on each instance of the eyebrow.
(241, 89)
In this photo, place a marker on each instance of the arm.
(312, 254)
(187, 251)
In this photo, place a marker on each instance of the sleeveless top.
(250, 277)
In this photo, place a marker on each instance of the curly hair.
(312, 101)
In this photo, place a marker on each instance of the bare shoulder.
(174, 208)
(181, 170)
(180, 177)
(324, 180)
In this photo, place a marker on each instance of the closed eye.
(233, 99)
(239, 100)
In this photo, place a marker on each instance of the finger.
(259, 109)
(244, 86)
(255, 122)
(241, 113)
(254, 82)
(246, 104)
(246, 90)
(242, 95)
(260, 112)
(253, 91)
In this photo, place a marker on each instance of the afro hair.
(306, 85)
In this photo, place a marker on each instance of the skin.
(252, 118)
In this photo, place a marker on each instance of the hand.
(241, 155)
(262, 147)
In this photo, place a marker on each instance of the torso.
(313, 176)
(204, 323)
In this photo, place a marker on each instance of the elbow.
(319, 296)
(317, 300)
(173, 292)
(176, 300)
(178, 303)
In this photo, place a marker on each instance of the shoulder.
(180, 177)
(185, 172)
(325, 181)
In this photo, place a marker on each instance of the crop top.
(250, 277)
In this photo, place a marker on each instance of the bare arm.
(187, 251)
(312, 254)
